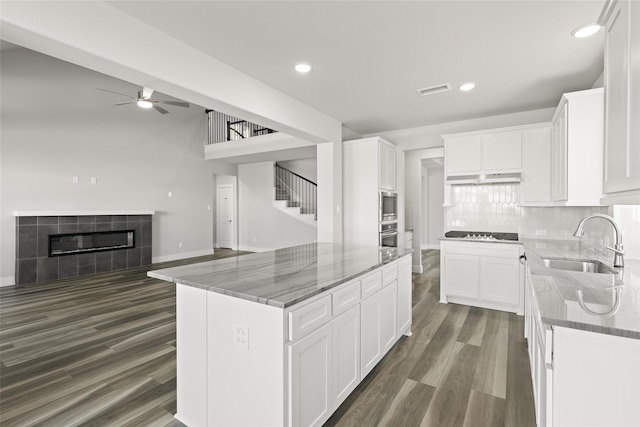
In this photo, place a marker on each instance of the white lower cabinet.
(486, 275)
(244, 363)
(346, 354)
(310, 376)
(404, 296)
(581, 378)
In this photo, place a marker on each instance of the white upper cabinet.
(621, 180)
(483, 152)
(387, 166)
(535, 187)
(576, 149)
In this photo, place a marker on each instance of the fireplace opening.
(76, 243)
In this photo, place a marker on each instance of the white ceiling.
(370, 57)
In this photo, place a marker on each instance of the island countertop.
(616, 300)
(282, 277)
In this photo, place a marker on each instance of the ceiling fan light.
(143, 103)
(585, 30)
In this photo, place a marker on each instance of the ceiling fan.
(144, 100)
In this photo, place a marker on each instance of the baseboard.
(183, 255)
(7, 281)
(254, 249)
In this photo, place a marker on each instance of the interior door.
(225, 216)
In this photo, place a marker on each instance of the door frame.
(234, 216)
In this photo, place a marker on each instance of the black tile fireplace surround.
(33, 263)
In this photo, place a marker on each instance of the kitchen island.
(583, 333)
(283, 337)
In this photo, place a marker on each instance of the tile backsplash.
(495, 208)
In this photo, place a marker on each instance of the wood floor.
(100, 351)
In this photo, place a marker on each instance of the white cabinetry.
(346, 354)
(244, 363)
(576, 374)
(622, 104)
(310, 376)
(404, 296)
(535, 187)
(387, 166)
(483, 152)
(576, 149)
(369, 166)
(482, 274)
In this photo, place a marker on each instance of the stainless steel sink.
(583, 265)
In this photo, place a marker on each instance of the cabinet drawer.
(345, 298)
(306, 319)
(389, 274)
(371, 284)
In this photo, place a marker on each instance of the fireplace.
(77, 243)
(66, 244)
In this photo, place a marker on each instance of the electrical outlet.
(94, 180)
(75, 179)
(241, 336)
(541, 232)
(180, 244)
(169, 194)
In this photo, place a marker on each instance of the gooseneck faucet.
(618, 256)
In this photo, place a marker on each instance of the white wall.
(263, 226)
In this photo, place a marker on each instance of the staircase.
(295, 194)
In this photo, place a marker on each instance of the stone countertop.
(556, 291)
(282, 277)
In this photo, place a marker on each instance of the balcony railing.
(223, 127)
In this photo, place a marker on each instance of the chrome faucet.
(618, 256)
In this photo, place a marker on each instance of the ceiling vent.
(434, 89)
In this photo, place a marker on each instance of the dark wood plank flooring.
(100, 351)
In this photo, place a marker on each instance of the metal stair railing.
(297, 190)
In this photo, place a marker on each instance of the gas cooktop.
(481, 235)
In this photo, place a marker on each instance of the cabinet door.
(536, 166)
(500, 280)
(389, 322)
(463, 155)
(502, 152)
(346, 354)
(404, 296)
(387, 167)
(461, 275)
(559, 157)
(370, 333)
(310, 368)
(622, 99)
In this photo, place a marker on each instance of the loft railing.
(223, 127)
(297, 190)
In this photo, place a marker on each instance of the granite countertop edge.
(556, 290)
(313, 289)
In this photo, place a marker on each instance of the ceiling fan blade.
(146, 92)
(124, 103)
(176, 103)
(117, 93)
(159, 109)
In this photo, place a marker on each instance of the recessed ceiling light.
(303, 67)
(465, 87)
(586, 30)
